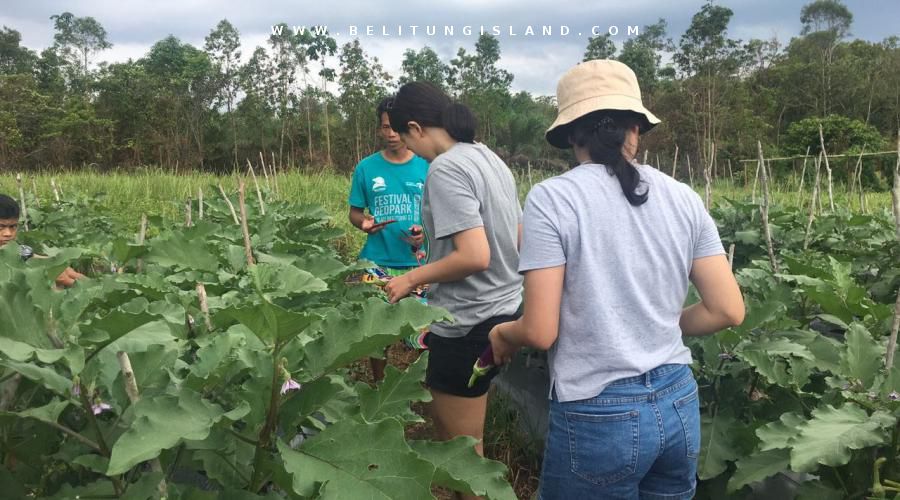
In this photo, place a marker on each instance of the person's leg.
(673, 476)
(455, 416)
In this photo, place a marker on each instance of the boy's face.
(8, 230)
(391, 138)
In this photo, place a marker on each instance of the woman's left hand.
(503, 349)
(398, 288)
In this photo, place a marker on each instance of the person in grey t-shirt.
(608, 250)
(471, 215)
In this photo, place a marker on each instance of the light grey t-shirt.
(469, 186)
(626, 275)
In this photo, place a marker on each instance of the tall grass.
(157, 192)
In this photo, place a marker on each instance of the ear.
(415, 128)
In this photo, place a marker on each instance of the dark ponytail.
(603, 134)
(429, 106)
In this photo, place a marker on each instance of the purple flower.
(289, 385)
(100, 407)
(893, 396)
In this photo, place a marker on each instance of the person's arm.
(471, 254)
(539, 325)
(363, 221)
(721, 303)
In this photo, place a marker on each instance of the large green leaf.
(379, 324)
(180, 252)
(383, 467)
(43, 375)
(270, 322)
(50, 412)
(22, 321)
(832, 433)
(757, 467)
(779, 433)
(860, 360)
(458, 467)
(161, 423)
(394, 394)
(718, 443)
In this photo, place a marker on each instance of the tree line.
(186, 107)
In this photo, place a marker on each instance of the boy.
(389, 185)
(9, 229)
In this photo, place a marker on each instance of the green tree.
(825, 24)
(223, 46)
(14, 58)
(481, 83)
(321, 47)
(423, 66)
(643, 54)
(600, 47)
(77, 39)
(363, 82)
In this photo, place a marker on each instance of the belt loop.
(647, 379)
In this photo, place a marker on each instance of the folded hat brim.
(557, 134)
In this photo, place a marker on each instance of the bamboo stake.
(812, 202)
(200, 201)
(55, 191)
(675, 162)
(706, 176)
(204, 305)
(230, 205)
(188, 213)
(262, 164)
(802, 178)
(895, 325)
(730, 173)
(248, 250)
(827, 168)
(731, 256)
(142, 235)
(858, 175)
(764, 211)
(23, 208)
(755, 180)
(646, 152)
(34, 191)
(262, 205)
(657, 162)
(131, 389)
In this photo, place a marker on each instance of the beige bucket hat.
(593, 86)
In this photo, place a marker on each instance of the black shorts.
(450, 360)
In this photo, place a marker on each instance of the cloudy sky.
(536, 61)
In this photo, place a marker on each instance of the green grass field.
(157, 192)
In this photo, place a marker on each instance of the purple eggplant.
(483, 365)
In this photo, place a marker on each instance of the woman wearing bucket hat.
(608, 250)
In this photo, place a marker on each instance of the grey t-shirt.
(626, 275)
(469, 186)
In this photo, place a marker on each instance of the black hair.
(383, 107)
(429, 106)
(603, 134)
(9, 208)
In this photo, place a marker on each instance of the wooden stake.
(812, 202)
(731, 256)
(730, 173)
(55, 191)
(658, 165)
(755, 180)
(22, 206)
(895, 325)
(204, 306)
(242, 202)
(34, 191)
(200, 201)
(764, 211)
(188, 213)
(646, 152)
(827, 168)
(858, 177)
(802, 178)
(675, 162)
(142, 234)
(262, 205)
(131, 389)
(262, 164)
(230, 205)
(706, 176)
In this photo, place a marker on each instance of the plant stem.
(85, 441)
(265, 434)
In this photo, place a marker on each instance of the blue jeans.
(638, 439)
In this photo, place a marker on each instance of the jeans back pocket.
(603, 448)
(688, 409)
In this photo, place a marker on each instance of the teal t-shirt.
(390, 191)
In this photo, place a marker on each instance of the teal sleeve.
(358, 188)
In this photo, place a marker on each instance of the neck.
(397, 156)
(442, 140)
